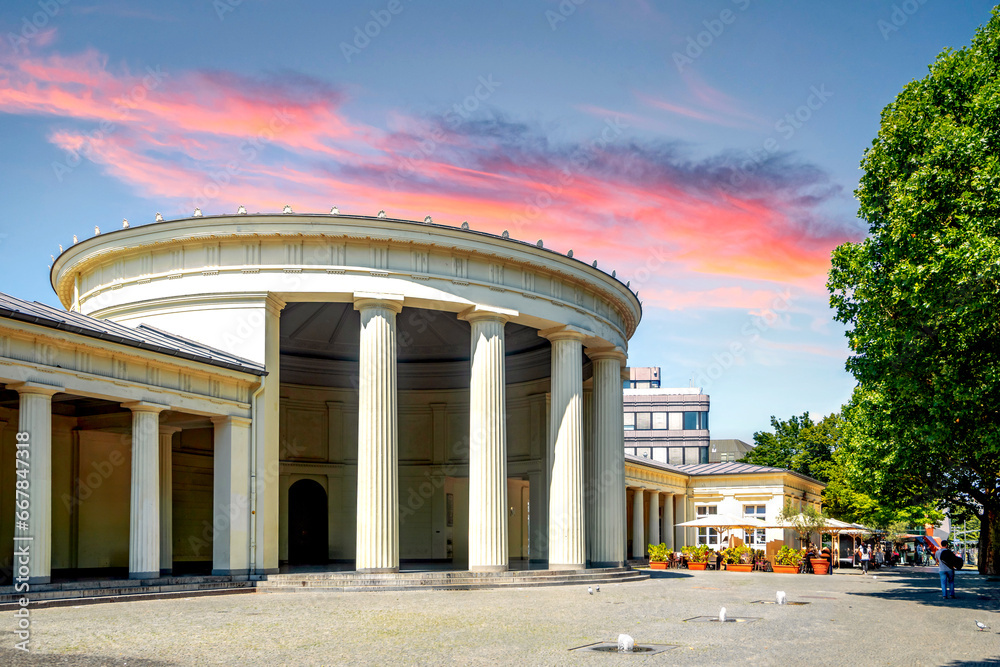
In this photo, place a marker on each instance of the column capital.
(598, 353)
(478, 313)
(35, 388)
(274, 304)
(230, 419)
(145, 406)
(169, 430)
(364, 300)
(565, 332)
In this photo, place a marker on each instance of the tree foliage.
(799, 444)
(920, 294)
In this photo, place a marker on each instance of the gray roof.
(736, 468)
(143, 337)
(731, 445)
(655, 464)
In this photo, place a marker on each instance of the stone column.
(567, 528)
(378, 474)
(607, 478)
(638, 537)
(667, 532)
(654, 517)
(167, 499)
(231, 493)
(488, 543)
(35, 419)
(144, 522)
(679, 533)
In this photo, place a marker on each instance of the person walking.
(866, 556)
(945, 571)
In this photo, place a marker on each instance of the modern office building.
(669, 425)
(722, 451)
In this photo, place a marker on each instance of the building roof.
(143, 337)
(731, 445)
(736, 468)
(656, 464)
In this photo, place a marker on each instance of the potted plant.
(659, 555)
(787, 561)
(698, 557)
(738, 559)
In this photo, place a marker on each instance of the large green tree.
(799, 444)
(920, 294)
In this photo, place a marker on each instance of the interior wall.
(193, 476)
(318, 436)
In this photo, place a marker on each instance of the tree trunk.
(989, 540)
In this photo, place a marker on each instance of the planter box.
(697, 566)
(786, 569)
(739, 567)
(657, 566)
(820, 565)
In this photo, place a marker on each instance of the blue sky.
(732, 133)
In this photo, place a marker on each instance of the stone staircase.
(120, 590)
(345, 582)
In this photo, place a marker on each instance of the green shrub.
(659, 553)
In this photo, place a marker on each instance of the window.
(660, 421)
(695, 420)
(756, 538)
(642, 421)
(692, 455)
(629, 421)
(626, 384)
(690, 421)
(654, 384)
(676, 456)
(675, 421)
(709, 536)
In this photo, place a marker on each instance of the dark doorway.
(307, 524)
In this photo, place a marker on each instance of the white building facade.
(392, 390)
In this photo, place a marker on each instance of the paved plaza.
(896, 617)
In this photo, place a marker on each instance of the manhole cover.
(715, 619)
(773, 602)
(612, 647)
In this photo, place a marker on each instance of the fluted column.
(34, 438)
(654, 518)
(606, 475)
(231, 493)
(680, 535)
(144, 521)
(488, 544)
(667, 532)
(638, 537)
(166, 499)
(567, 528)
(378, 475)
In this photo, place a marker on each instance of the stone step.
(100, 596)
(447, 576)
(342, 585)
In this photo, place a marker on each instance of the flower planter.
(697, 566)
(820, 565)
(739, 567)
(786, 569)
(657, 566)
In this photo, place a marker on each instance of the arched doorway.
(307, 524)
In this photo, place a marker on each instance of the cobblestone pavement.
(896, 617)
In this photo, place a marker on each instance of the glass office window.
(692, 455)
(660, 420)
(629, 421)
(676, 456)
(704, 420)
(704, 454)
(690, 421)
(675, 421)
(642, 421)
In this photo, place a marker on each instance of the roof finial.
(124, 223)
(287, 210)
(381, 214)
(159, 218)
(242, 210)
(197, 213)
(334, 211)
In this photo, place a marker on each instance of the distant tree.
(799, 444)
(920, 295)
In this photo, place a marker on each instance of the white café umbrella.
(723, 522)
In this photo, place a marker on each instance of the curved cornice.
(93, 252)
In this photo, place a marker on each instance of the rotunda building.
(429, 393)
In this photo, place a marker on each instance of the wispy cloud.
(221, 139)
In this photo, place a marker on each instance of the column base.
(155, 574)
(489, 568)
(567, 566)
(606, 564)
(166, 572)
(377, 570)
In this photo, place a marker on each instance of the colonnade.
(658, 525)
